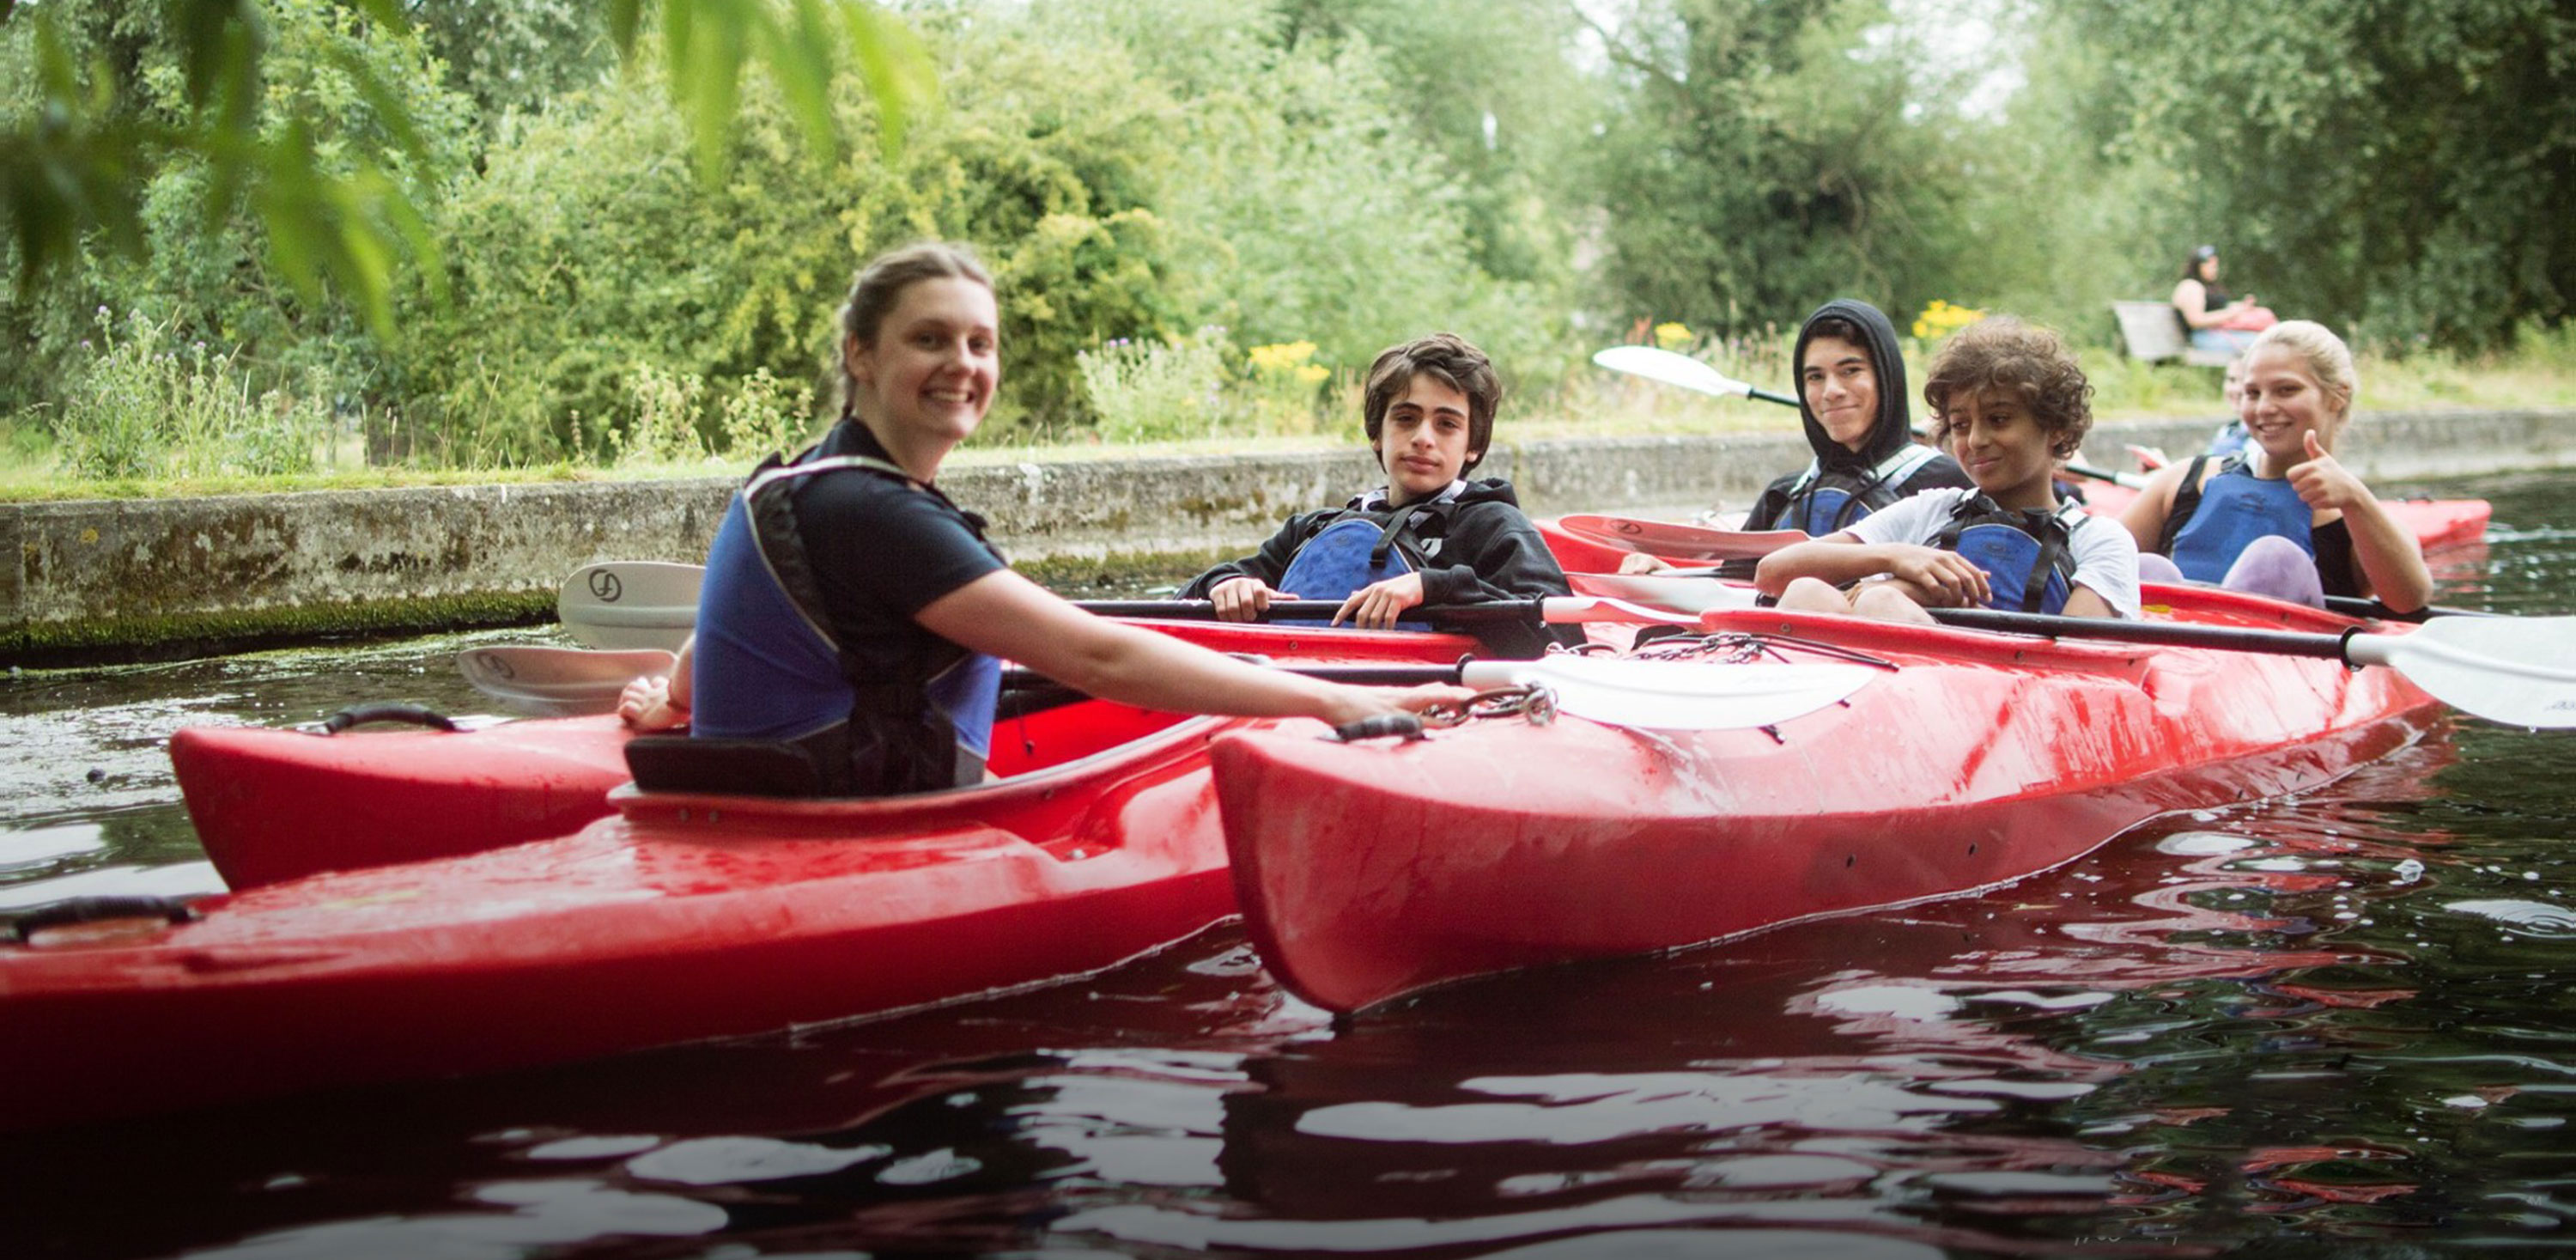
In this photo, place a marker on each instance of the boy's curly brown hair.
(2002, 352)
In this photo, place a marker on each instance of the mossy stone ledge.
(106, 579)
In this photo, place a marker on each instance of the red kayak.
(1368, 871)
(272, 805)
(680, 918)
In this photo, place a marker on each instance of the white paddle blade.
(1678, 695)
(1686, 596)
(1561, 610)
(1674, 539)
(558, 682)
(2519, 671)
(1671, 369)
(628, 604)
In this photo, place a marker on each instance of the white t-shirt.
(2106, 557)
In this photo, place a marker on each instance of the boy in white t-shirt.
(2008, 401)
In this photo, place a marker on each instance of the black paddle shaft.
(2174, 634)
(1026, 691)
(2373, 609)
(1021, 679)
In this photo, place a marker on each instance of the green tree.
(2400, 168)
(1310, 203)
(512, 56)
(372, 133)
(1492, 85)
(581, 254)
(85, 132)
(1766, 154)
(2058, 223)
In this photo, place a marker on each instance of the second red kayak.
(1369, 871)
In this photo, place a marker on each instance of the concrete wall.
(168, 576)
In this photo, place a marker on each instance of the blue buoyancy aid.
(768, 667)
(2028, 555)
(2208, 529)
(1823, 502)
(1364, 544)
(1344, 556)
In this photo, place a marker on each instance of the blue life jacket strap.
(2054, 531)
(1900, 464)
(2186, 501)
(782, 548)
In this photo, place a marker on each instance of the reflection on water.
(86, 758)
(2335, 1021)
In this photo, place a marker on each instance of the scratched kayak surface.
(2337, 1022)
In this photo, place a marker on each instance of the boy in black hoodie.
(1427, 537)
(1852, 402)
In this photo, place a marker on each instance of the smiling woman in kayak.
(854, 616)
(2283, 518)
(2010, 402)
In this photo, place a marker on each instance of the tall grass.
(147, 407)
(150, 410)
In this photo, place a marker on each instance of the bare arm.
(658, 703)
(2191, 298)
(2082, 602)
(2392, 565)
(1006, 615)
(1833, 559)
(1931, 576)
(2391, 562)
(2145, 516)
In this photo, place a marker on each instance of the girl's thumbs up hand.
(2323, 483)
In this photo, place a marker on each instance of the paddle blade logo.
(605, 586)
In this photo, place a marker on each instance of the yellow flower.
(1672, 335)
(1313, 374)
(1940, 319)
(1281, 358)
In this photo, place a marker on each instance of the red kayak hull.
(271, 805)
(1370, 871)
(679, 919)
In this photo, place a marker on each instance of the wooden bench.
(2154, 333)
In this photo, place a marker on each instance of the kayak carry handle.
(1404, 725)
(387, 711)
(97, 910)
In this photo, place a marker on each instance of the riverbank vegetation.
(1207, 215)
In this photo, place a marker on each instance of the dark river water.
(2335, 1024)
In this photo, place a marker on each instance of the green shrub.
(1158, 391)
(764, 414)
(665, 427)
(148, 407)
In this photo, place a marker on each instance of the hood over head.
(1895, 425)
